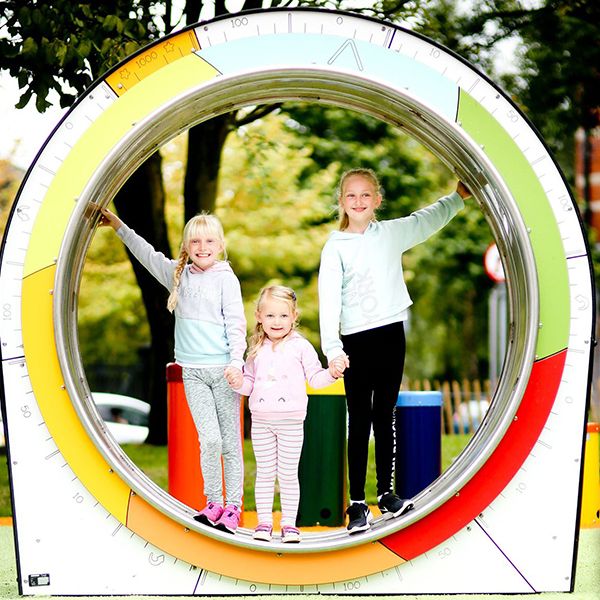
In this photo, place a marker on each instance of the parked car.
(125, 417)
(475, 409)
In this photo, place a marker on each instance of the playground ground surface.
(587, 581)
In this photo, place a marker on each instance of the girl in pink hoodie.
(279, 363)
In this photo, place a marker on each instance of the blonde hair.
(274, 292)
(368, 174)
(201, 224)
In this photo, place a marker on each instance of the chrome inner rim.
(323, 86)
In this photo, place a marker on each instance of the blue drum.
(418, 441)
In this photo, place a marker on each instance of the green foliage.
(557, 81)
(448, 327)
(275, 224)
(406, 170)
(63, 46)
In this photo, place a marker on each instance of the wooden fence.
(464, 403)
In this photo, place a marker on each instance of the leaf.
(131, 47)
(30, 48)
(59, 49)
(67, 100)
(23, 78)
(84, 48)
(24, 16)
(112, 23)
(24, 99)
(42, 104)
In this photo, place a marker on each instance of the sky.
(24, 131)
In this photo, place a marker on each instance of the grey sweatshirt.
(210, 325)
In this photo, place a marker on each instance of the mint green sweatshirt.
(361, 282)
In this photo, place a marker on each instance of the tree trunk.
(140, 203)
(205, 146)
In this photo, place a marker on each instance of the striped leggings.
(277, 448)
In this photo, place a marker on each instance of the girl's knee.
(211, 445)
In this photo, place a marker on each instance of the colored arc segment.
(263, 567)
(548, 249)
(97, 142)
(55, 405)
(307, 50)
(495, 474)
(149, 60)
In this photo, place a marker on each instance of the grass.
(5, 508)
(152, 460)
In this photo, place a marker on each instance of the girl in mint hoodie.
(279, 363)
(210, 340)
(363, 302)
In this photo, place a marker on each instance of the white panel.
(317, 22)
(31, 196)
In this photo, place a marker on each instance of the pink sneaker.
(290, 534)
(264, 532)
(210, 514)
(230, 519)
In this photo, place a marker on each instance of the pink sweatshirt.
(275, 379)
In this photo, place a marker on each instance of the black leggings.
(372, 383)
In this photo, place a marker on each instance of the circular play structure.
(491, 508)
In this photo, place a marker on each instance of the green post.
(322, 470)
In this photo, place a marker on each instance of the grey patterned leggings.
(215, 408)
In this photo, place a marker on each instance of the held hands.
(463, 191)
(338, 365)
(234, 377)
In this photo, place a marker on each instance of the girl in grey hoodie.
(210, 340)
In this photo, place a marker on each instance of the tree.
(558, 80)
(10, 179)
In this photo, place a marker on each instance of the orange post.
(185, 476)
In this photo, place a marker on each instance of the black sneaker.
(359, 517)
(391, 505)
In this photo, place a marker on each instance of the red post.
(185, 477)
